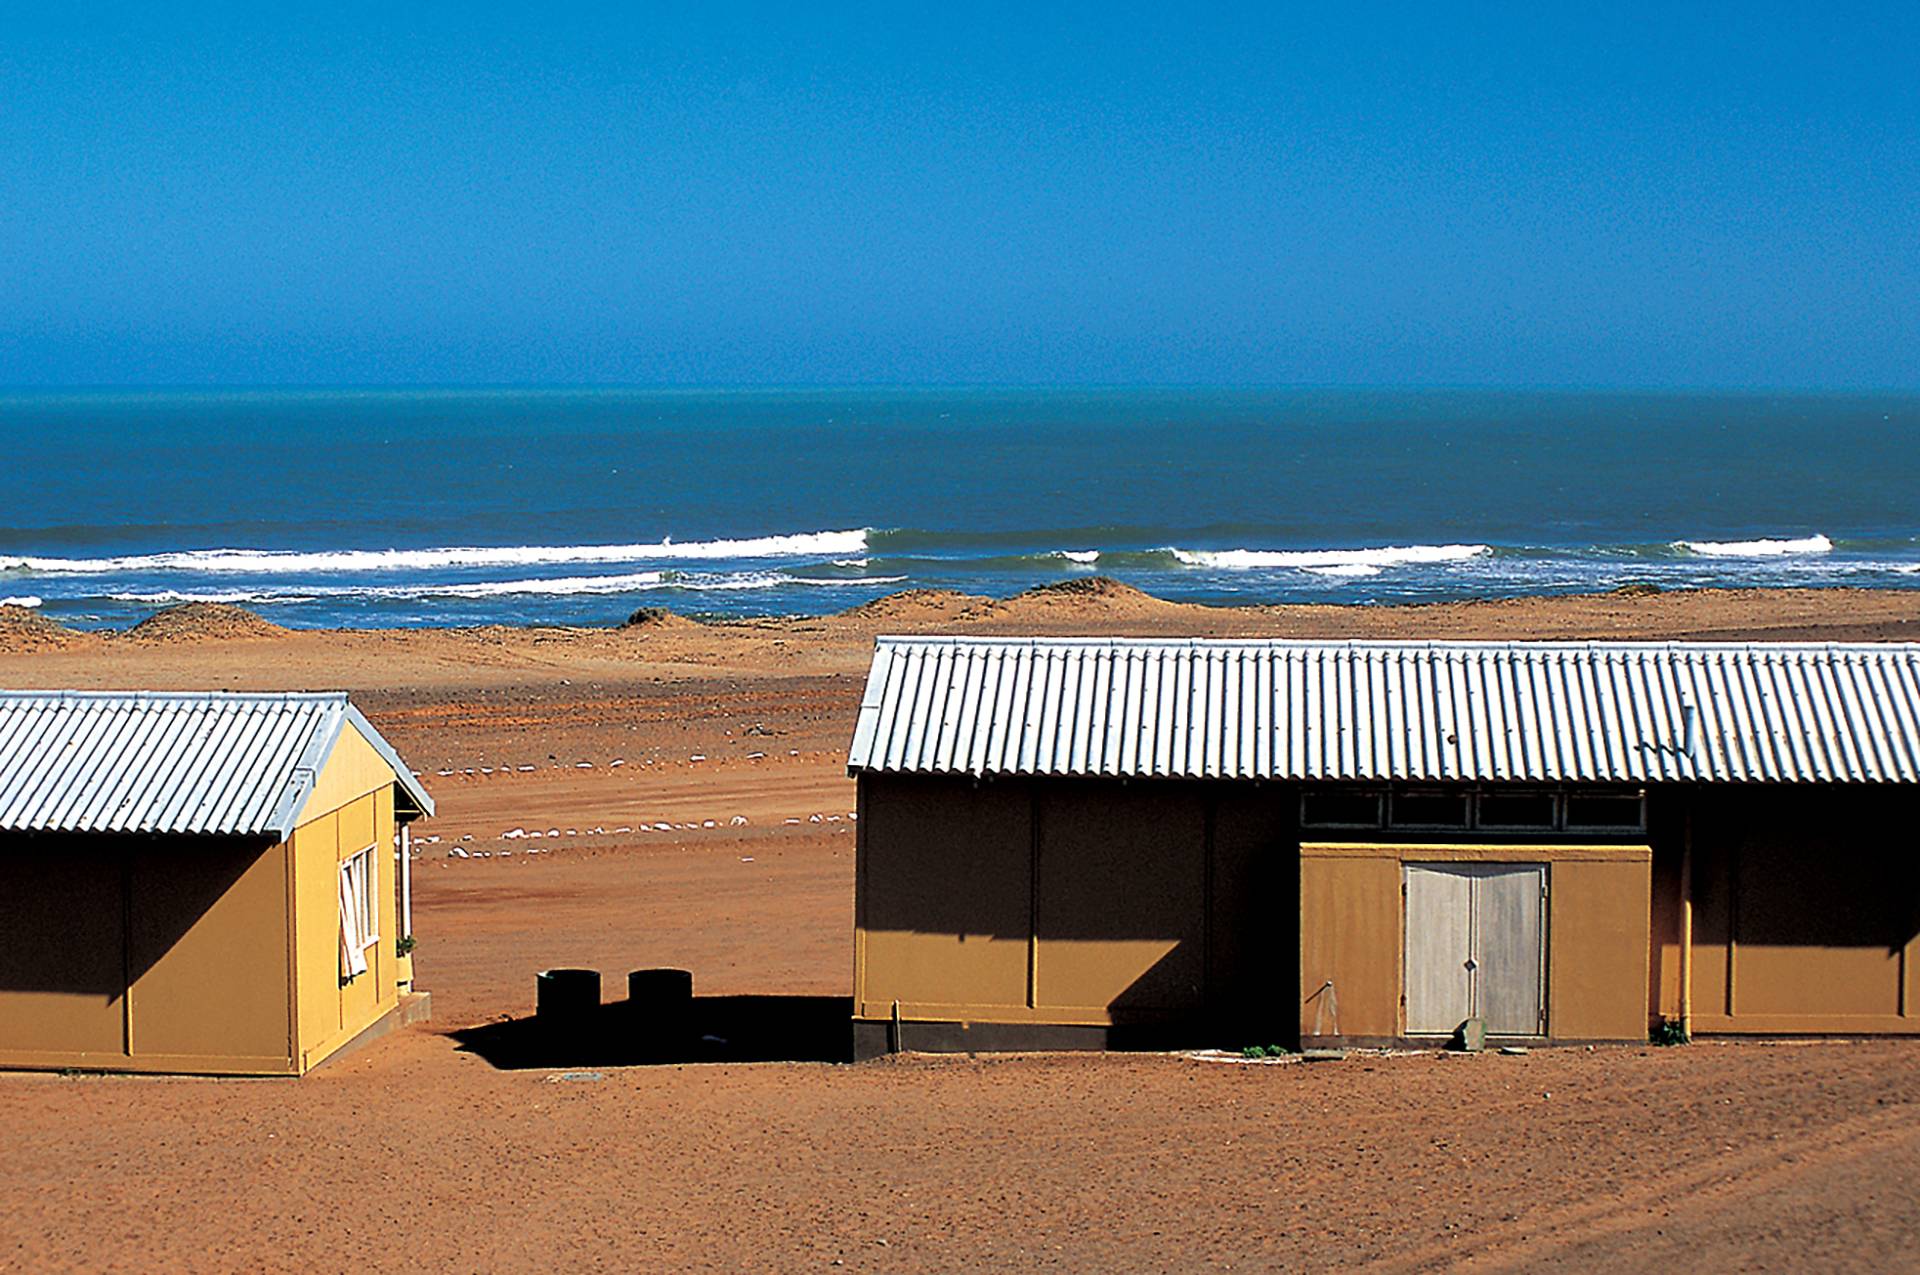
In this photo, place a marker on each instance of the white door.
(1439, 949)
(1476, 947)
(1509, 948)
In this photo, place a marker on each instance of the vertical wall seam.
(292, 859)
(1033, 896)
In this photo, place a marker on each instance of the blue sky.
(710, 194)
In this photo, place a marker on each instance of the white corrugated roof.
(165, 762)
(1586, 712)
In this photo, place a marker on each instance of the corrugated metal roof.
(1589, 712)
(163, 762)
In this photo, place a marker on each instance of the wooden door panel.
(1439, 987)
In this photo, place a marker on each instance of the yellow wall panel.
(351, 771)
(1805, 907)
(1350, 936)
(62, 947)
(1597, 950)
(976, 971)
(1121, 904)
(333, 1012)
(383, 963)
(946, 900)
(209, 950)
(316, 858)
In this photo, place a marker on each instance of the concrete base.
(1450, 1044)
(872, 1039)
(414, 1007)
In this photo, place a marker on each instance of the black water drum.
(566, 996)
(660, 989)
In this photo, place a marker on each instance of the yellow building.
(1086, 842)
(200, 882)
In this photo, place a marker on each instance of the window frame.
(1379, 796)
(1556, 810)
(1639, 798)
(1387, 796)
(365, 894)
(1467, 801)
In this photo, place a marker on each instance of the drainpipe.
(1690, 712)
(1686, 923)
(403, 854)
(406, 881)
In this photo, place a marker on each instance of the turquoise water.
(391, 508)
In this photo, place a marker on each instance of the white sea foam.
(635, 582)
(23, 600)
(1329, 561)
(766, 580)
(168, 597)
(1756, 548)
(1085, 557)
(629, 583)
(283, 562)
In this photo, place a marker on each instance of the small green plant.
(1265, 1051)
(403, 945)
(1671, 1031)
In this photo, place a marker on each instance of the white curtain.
(353, 943)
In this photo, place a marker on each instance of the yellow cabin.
(1087, 842)
(200, 882)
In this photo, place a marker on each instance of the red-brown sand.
(419, 1153)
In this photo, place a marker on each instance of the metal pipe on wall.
(405, 855)
(1686, 925)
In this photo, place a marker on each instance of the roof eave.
(408, 782)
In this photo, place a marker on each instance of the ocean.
(403, 507)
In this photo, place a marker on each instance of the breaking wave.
(24, 600)
(1331, 562)
(287, 562)
(1756, 548)
(565, 586)
(805, 573)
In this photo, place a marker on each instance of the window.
(1499, 810)
(359, 913)
(1518, 810)
(1606, 811)
(1419, 808)
(1340, 808)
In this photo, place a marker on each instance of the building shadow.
(705, 1029)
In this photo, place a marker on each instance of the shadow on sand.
(702, 1029)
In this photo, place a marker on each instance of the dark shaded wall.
(143, 949)
(1806, 908)
(1101, 902)
(1083, 902)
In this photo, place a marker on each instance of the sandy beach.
(673, 793)
(463, 463)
